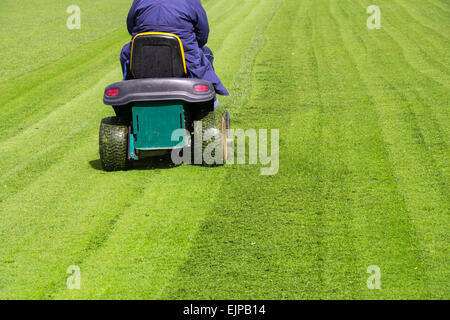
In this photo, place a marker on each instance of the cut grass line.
(65, 65)
(242, 84)
(19, 78)
(420, 130)
(95, 242)
(431, 109)
(223, 250)
(62, 225)
(396, 227)
(440, 5)
(415, 102)
(219, 14)
(39, 149)
(404, 152)
(41, 34)
(230, 36)
(30, 82)
(150, 239)
(423, 20)
(421, 45)
(33, 105)
(418, 84)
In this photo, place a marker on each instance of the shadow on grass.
(146, 164)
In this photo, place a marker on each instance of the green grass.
(364, 149)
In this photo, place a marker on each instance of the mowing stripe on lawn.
(168, 236)
(46, 89)
(361, 216)
(248, 227)
(422, 186)
(35, 34)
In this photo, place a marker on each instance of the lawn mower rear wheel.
(113, 142)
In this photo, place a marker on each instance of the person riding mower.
(157, 100)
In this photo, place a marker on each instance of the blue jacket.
(185, 18)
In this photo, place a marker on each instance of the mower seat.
(157, 55)
(158, 73)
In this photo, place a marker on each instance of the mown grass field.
(364, 158)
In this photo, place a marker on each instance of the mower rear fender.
(161, 89)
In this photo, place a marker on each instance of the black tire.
(219, 125)
(113, 144)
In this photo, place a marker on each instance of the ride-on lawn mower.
(155, 100)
